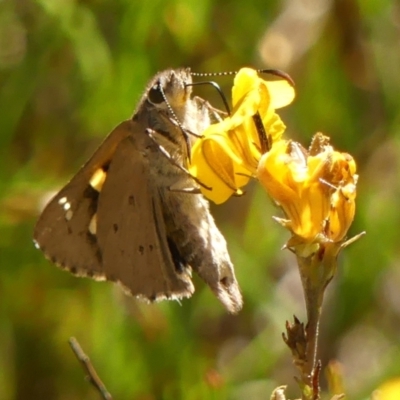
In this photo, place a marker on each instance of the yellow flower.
(227, 155)
(316, 189)
(389, 390)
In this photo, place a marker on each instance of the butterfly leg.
(168, 156)
(215, 112)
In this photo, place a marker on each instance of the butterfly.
(132, 213)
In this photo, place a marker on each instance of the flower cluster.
(315, 188)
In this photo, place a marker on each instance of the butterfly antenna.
(279, 73)
(217, 88)
(275, 72)
(206, 74)
(176, 119)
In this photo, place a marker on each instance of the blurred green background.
(72, 70)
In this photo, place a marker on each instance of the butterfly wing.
(131, 231)
(98, 231)
(62, 229)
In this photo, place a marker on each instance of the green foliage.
(69, 72)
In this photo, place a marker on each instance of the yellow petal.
(389, 390)
(223, 191)
(246, 144)
(245, 81)
(340, 217)
(274, 175)
(215, 165)
(281, 92)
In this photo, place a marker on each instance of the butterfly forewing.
(62, 230)
(114, 231)
(131, 231)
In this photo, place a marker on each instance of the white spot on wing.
(68, 215)
(93, 225)
(62, 200)
(67, 206)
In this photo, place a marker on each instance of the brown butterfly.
(131, 216)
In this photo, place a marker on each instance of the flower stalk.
(316, 190)
(316, 272)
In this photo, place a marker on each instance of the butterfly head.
(170, 87)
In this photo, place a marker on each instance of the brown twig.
(91, 376)
(314, 303)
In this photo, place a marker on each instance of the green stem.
(313, 293)
(312, 331)
(316, 271)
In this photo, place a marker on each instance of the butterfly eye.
(156, 95)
